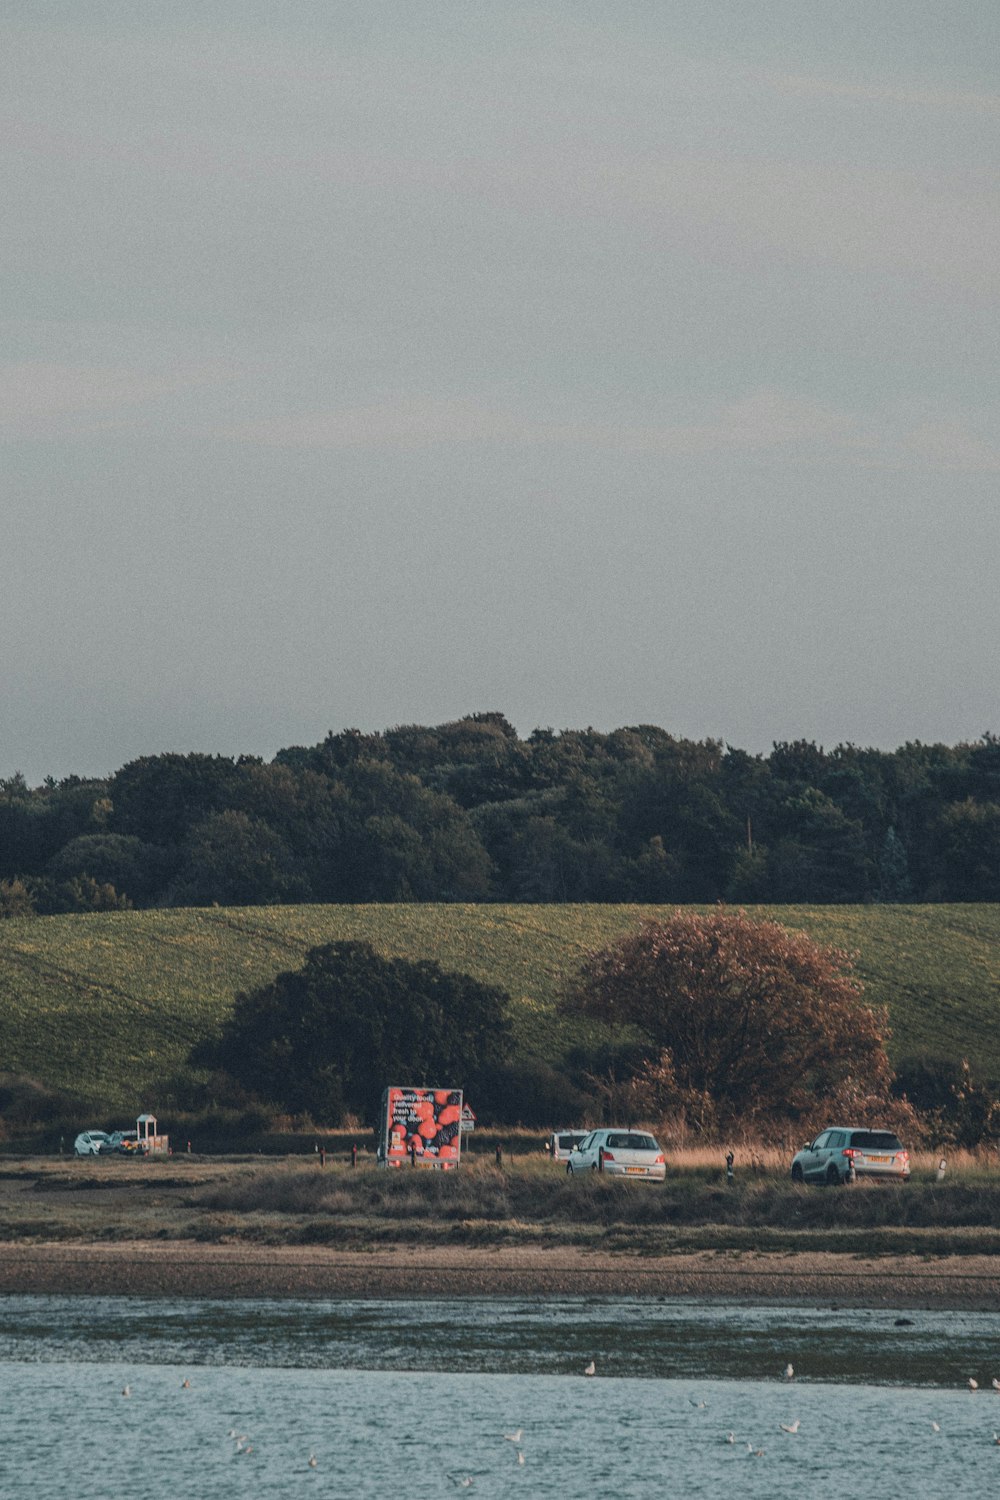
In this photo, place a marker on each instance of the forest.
(469, 811)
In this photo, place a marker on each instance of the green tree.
(330, 1036)
(745, 1022)
(234, 860)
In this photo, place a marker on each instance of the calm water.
(415, 1398)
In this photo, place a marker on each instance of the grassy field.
(531, 1202)
(108, 1005)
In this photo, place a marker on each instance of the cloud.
(763, 425)
(951, 101)
(45, 399)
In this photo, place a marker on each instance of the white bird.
(973, 1384)
(591, 1369)
(753, 1452)
(995, 1383)
(791, 1427)
(789, 1372)
(514, 1437)
(520, 1456)
(185, 1385)
(698, 1405)
(731, 1437)
(936, 1426)
(126, 1390)
(312, 1461)
(996, 1438)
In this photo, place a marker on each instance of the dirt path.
(188, 1269)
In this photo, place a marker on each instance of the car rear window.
(632, 1142)
(567, 1142)
(875, 1140)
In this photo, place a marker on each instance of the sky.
(599, 364)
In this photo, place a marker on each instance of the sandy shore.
(189, 1269)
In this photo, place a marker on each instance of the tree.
(237, 861)
(330, 1036)
(746, 1023)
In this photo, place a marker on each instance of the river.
(417, 1398)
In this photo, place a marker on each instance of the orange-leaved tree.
(747, 1023)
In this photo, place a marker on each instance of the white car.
(620, 1153)
(91, 1143)
(561, 1142)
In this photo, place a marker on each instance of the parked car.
(831, 1156)
(90, 1142)
(561, 1142)
(620, 1153)
(123, 1143)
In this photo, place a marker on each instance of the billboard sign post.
(420, 1127)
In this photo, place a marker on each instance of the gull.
(995, 1383)
(996, 1439)
(514, 1437)
(185, 1384)
(791, 1427)
(731, 1438)
(936, 1426)
(973, 1384)
(753, 1452)
(698, 1405)
(520, 1456)
(789, 1372)
(126, 1390)
(312, 1461)
(591, 1369)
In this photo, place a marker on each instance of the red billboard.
(421, 1127)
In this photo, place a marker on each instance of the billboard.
(420, 1127)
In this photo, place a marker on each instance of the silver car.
(91, 1143)
(619, 1153)
(837, 1154)
(562, 1142)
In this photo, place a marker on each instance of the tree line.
(470, 811)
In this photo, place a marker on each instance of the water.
(414, 1398)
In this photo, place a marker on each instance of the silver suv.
(837, 1153)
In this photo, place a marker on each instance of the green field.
(108, 1005)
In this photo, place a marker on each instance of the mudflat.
(189, 1269)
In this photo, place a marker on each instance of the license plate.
(878, 1158)
(635, 1169)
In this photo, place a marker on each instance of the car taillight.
(902, 1155)
(850, 1152)
(661, 1160)
(607, 1155)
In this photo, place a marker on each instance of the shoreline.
(190, 1269)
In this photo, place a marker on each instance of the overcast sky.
(603, 364)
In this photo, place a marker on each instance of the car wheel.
(797, 1172)
(833, 1176)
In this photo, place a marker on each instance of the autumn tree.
(746, 1023)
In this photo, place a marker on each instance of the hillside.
(108, 1004)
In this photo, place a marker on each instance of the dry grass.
(293, 1200)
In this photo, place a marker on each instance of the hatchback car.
(90, 1143)
(561, 1142)
(620, 1153)
(833, 1155)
